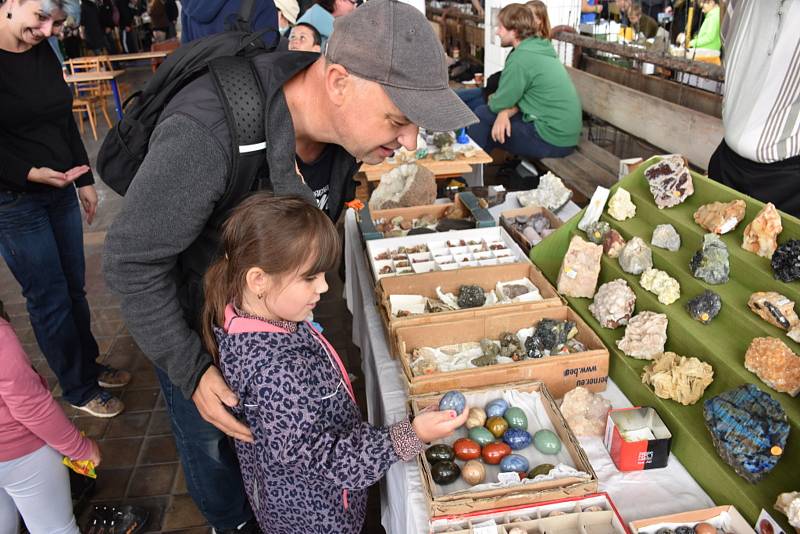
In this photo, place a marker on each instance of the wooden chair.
(93, 92)
(168, 45)
(81, 106)
(123, 88)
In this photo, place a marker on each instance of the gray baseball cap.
(393, 44)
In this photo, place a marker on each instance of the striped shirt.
(761, 104)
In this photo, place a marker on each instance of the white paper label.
(508, 478)
(487, 527)
(782, 302)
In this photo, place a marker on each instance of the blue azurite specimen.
(749, 430)
(517, 438)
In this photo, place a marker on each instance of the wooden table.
(104, 76)
(159, 54)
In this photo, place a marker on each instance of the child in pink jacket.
(34, 436)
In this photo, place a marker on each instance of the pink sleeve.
(31, 404)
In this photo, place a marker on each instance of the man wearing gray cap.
(382, 75)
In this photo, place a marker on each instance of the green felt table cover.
(722, 343)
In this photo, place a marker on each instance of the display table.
(100, 76)
(403, 506)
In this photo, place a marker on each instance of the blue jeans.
(524, 140)
(41, 240)
(209, 461)
(473, 98)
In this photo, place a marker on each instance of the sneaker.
(126, 518)
(113, 378)
(103, 405)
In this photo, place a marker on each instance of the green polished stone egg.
(547, 442)
(516, 418)
(481, 436)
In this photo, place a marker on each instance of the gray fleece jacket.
(170, 202)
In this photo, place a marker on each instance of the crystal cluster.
(705, 306)
(749, 430)
(549, 337)
(613, 304)
(645, 335)
(775, 364)
(585, 412)
(711, 264)
(471, 296)
(636, 257)
(680, 378)
(789, 504)
(580, 269)
(551, 193)
(596, 231)
(670, 182)
(665, 236)
(761, 235)
(786, 261)
(666, 288)
(621, 206)
(720, 217)
(405, 185)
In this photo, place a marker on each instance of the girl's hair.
(71, 8)
(277, 234)
(539, 9)
(518, 18)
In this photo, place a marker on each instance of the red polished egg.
(494, 452)
(466, 449)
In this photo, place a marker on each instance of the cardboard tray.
(559, 373)
(515, 495)
(520, 239)
(486, 277)
(737, 522)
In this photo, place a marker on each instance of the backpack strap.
(242, 99)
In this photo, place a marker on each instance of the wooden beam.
(668, 126)
(706, 70)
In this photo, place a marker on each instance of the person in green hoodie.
(535, 112)
(708, 37)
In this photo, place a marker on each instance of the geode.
(774, 308)
(711, 263)
(680, 378)
(786, 261)
(761, 235)
(749, 430)
(549, 337)
(596, 231)
(645, 335)
(705, 306)
(613, 303)
(613, 243)
(670, 182)
(551, 193)
(621, 206)
(720, 217)
(775, 364)
(470, 296)
(636, 257)
(579, 269)
(666, 288)
(665, 236)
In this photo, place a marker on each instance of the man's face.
(369, 125)
(302, 38)
(506, 36)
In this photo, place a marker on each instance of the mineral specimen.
(517, 439)
(775, 364)
(481, 436)
(711, 263)
(493, 453)
(541, 469)
(580, 269)
(585, 412)
(497, 426)
(621, 206)
(789, 504)
(470, 296)
(445, 472)
(439, 452)
(516, 418)
(453, 400)
(636, 257)
(663, 285)
(551, 193)
(514, 463)
(665, 236)
(549, 337)
(670, 182)
(774, 308)
(496, 408)
(510, 346)
(476, 418)
(486, 359)
(705, 306)
(489, 348)
(594, 210)
(645, 335)
(761, 235)
(613, 303)
(546, 442)
(596, 231)
(405, 185)
(680, 378)
(786, 261)
(473, 472)
(749, 430)
(613, 243)
(720, 217)
(466, 449)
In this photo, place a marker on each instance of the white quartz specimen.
(665, 236)
(621, 206)
(595, 208)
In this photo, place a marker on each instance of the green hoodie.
(535, 81)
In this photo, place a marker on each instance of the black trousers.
(777, 182)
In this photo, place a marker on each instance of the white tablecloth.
(403, 509)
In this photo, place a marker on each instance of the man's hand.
(211, 397)
(88, 197)
(502, 127)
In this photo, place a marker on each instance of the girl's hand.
(88, 197)
(94, 454)
(47, 176)
(502, 127)
(431, 426)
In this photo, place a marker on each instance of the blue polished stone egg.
(514, 463)
(453, 400)
(496, 408)
(517, 438)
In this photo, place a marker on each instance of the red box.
(637, 439)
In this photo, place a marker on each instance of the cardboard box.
(726, 517)
(560, 373)
(521, 240)
(485, 277)
(471, 501)
(535, 518)
(637, 439)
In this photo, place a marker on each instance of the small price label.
(487, 527)
(508, 478)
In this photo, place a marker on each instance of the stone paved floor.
(140, 463)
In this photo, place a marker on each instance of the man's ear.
(336, 81)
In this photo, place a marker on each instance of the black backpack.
(227, 56)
